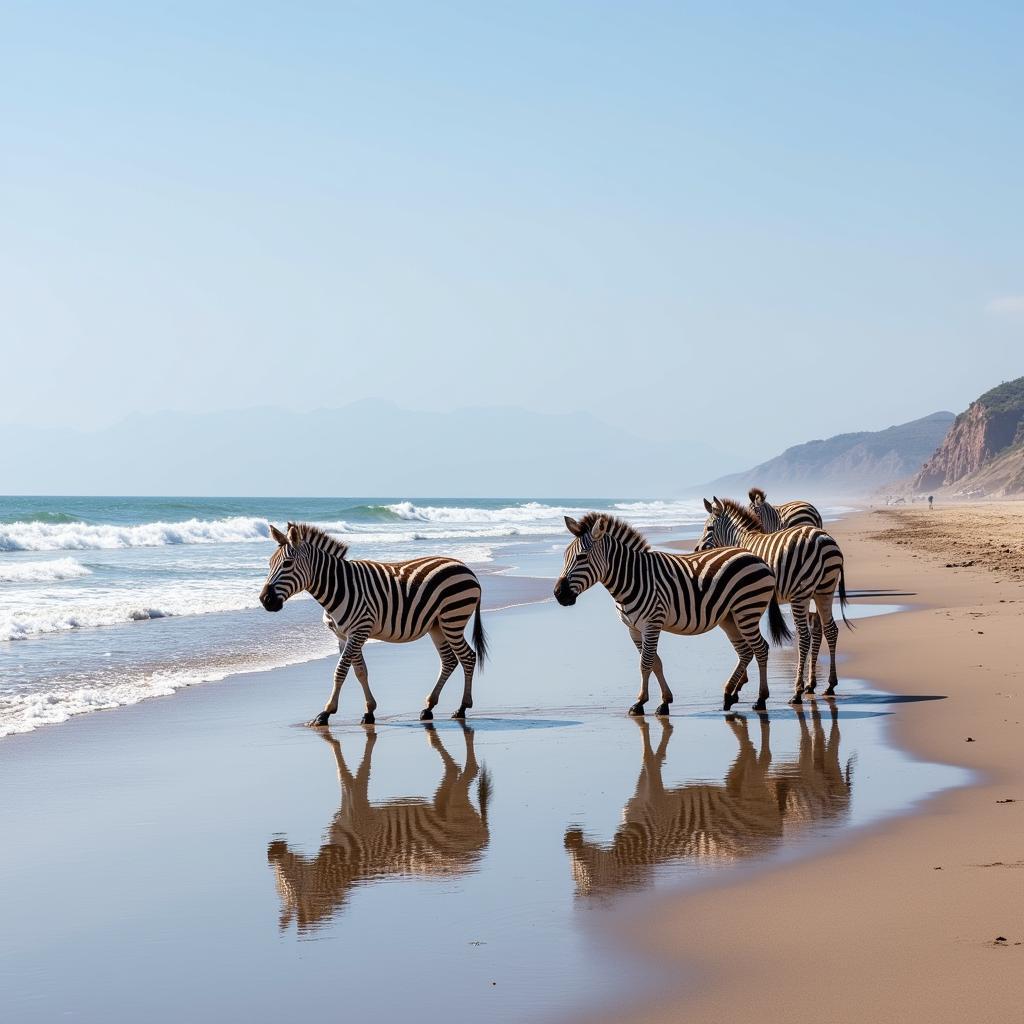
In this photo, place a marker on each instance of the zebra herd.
(749, 560)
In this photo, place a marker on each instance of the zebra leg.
(359, 665)
(647, 645)
(814, 621)
(823, 602)
(353, 646)
(744, 653)
(467, 659)
(448, 663)
(759, 646)
(803, 630)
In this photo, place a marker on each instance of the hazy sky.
(757, 222)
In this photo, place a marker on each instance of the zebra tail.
(777, 625)
(479, 639)
(842, 597)
(484, 791)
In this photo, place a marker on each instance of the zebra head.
(719, 529)
(585, 560)
(289, 569)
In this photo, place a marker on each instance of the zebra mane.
(756, 494)
(741, 515)
(320, 539)
(622, 531)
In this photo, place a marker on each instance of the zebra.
(779, 517)
(410, 837)
(679, 593)
(808, 566)
(393, 601)
(757, 805)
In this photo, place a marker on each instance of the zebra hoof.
(426, 715)
(759, 705)
(637, 710)
(830, 692)
(663, 709)
(796, 699)
(810, 687)
(324, 718)
(367, 719)
(728, 700)
(461, 713)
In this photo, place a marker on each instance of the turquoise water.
(107, 601)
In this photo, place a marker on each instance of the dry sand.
(921, 919)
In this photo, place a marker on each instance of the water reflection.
(405, 837)
(757, 805)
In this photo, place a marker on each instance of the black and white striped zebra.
(392, 601)
(411, 837)
(808, 566)
(685, 594)
(780, 517)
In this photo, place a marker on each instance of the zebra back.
(780, 517)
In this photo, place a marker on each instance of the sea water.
(105, 601)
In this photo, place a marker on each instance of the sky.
(750, 224)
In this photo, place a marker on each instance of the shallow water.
(204, 858)
(108, 601)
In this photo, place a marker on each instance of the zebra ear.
(278, 536)
(294, 536)
(707, 505)
(597, 530)
(572, 526)
(716, 504)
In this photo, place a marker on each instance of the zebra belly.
(679, 628)
(690, 628)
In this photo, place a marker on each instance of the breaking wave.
(80, 536)
(43, 572)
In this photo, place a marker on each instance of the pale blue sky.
(762, 222)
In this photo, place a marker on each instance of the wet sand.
(206, 857)
(922, 919)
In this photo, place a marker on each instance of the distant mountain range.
(983, 453)
(847, 465)
(369, 447)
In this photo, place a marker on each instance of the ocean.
(108, 601)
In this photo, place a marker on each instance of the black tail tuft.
(842, 597)
(479, 640)
(777, 625)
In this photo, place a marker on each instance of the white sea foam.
(36, 536)
(24, 712)
(530, 511)
(43, 572)
(42, 613)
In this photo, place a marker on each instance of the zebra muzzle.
(564, 595)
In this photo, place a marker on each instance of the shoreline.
(138, 784)
(922, 916)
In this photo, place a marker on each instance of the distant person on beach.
(931, 499)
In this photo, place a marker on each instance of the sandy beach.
(193, 856)
(922, 919)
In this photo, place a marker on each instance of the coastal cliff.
(984, 449)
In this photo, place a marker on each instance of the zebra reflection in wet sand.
(409, 837)
(758, 805)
